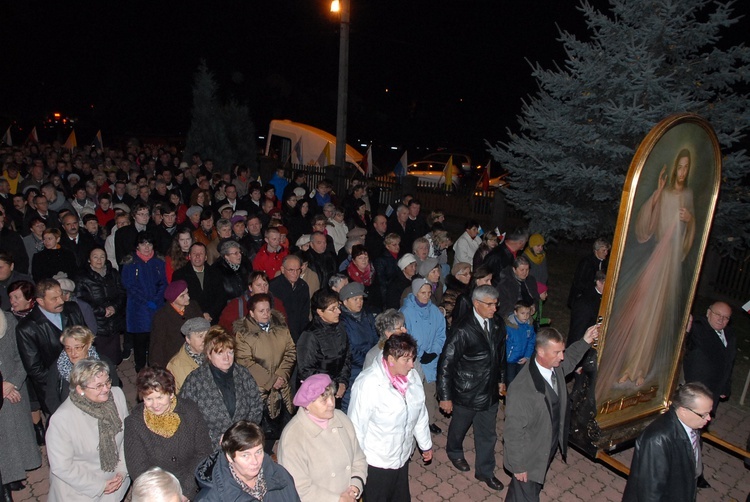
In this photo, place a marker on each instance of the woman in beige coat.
(265, 347)
(85, 439)
(319, 447)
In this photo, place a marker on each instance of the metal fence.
(733, 277)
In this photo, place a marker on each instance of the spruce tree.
(644, 60)
(224, 133)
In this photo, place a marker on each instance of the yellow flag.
(71, 142)
(449, 173)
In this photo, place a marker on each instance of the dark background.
(455, 72)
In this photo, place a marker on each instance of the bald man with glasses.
(710, 352)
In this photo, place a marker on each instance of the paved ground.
(580, 480)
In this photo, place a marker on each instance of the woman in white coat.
(388, 412)
(85, 438)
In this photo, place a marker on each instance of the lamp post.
(342, 6)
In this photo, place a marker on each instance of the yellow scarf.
(166, 424)
(536, 258)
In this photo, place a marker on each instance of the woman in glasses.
(77, 344)
(85, 438)
(324, 346)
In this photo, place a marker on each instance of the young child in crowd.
(521, 337)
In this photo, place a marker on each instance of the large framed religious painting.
(665, 216)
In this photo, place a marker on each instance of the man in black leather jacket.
(664, 463)
(39, 338)
(469, 379)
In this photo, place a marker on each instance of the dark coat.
(395, 290)
(80, 250)
(583, 314)
(102, 292)
(58, 388)
(201, 388)
(39, 343)
(323, 264)
(498, 260)
(218, 485)
(663, 466)
(145, 283)
(180, 454)
(324, 348)
(48, 262)
(12, 242)
(296, 302)
(470, 367)
(707, 360)
(511, 291)
(210, 297)
(166, 337)
(386, 271)
(362, 337)
(233, 283)
(585, 275)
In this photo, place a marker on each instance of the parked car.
(459, 159)
(433, 171)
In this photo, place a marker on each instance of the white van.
(304, 144)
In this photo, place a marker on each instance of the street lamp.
(342, 7)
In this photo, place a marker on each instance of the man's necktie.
(696, 442)
(723, 338)
(554, 383)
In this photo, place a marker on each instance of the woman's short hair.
(399, 345)
(323, 298)
(52, 231)
(156, 485)
(241, 436)
(154, 378)
(358, 250)
(228, 246)
(489, 236)
(26, 288)
(388, 320)
(391, 238)
(255, 274)
(256, 299)
(418, 242)
(85, 370)
(440, 237)
(80, 334)
(218, 340)
(145, 236)
(337, 279)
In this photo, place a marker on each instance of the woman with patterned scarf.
(85, 439)
(164, 431)
(360, 269)
(77, 344)
(21, 295)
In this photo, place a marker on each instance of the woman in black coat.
(324, 346)
(100, 286)
(234, 269)
(53, 259)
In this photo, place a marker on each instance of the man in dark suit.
(205, 288)
(38, 334)
(50, 217)
(499, 259)
(586, 270)
(710, 351)
(80, 243)
(666, 461)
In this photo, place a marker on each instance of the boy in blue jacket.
(521, 337)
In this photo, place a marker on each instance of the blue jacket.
(145, 283)
(520, 339)
(427, 325)
(362, 337)
(279, 185)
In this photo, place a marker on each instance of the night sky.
(455, 71)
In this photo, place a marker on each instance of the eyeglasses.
(489, 304)
(721, 317)
(334, 308)
(101, 386)
(75, 349)
(702, 415)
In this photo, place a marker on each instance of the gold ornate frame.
(619, 415)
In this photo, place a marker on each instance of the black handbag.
(272, 427)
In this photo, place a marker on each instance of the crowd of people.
(261, 316)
